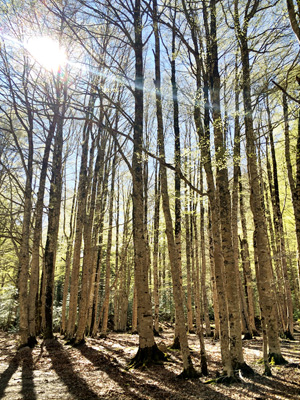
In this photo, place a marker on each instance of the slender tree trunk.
(177, 158)
(108, 250)
(53, 221)
(148, 350)
(188, 369)
(155, 247)
(293, 182)
(245, 257)
(188, 252)
(69, 253)
(37, 235)
(81, 215)
(203, 261)
(24, 246)
(263, 252)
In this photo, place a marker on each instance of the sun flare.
(47, 52)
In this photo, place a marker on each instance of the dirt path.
(96, 370)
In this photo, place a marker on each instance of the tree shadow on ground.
(281, 388)
(131, 385)
(139, 387)
(28, 390)
(8, 373)
(62, 365)
(23, 357)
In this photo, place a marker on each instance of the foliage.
(8, 307)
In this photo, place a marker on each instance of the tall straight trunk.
(204, 141)
(213, 278)
(155, 247)
(80, 218)
(203, 261)
(197, 295)
(294, 182)
(188, 369)
(69, 253)
(232, 288)
(235, 200)
(278, 225)
(121, 306)
(148, 350)
(108, 249)
(134, 322)
(188, 253)
(102, 171)
(53, 221)
(23, 273)
(177, 157)
(245, 257)
(37, 235)
(263, 321)
(263, 251)
(279, 298)
(278, 275)
(87, 263)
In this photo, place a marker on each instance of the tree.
(261, 237)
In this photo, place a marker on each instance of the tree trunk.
(148, 350)
(203, 262)
(53, 221)
(37, 235)
(188, 369)
(24, 246)
(294, 183)
(263, 252)
(108, 250)
(155, 247)
(81, 215)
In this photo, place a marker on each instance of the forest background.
(151, 173)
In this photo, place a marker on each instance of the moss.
(277, 359)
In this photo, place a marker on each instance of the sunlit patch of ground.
(97, 370)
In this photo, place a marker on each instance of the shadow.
(131, 385)
(23, 357)
(62, 365)
(140, 387)
(28, 390)
(275, 387)
(8, 373)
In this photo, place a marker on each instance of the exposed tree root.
(176, 344)
(70, 342)
(155, 332)
(277, 359)
(245, 369)
(288, 335)
(189, 373)
(147, 356)
(247, 336)
(32, 341)
(267, 371)
(80, 343)
(224, 379)
(204, 369)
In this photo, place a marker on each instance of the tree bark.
(263, 252)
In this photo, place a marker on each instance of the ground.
(97, 370)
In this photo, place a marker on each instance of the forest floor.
(97, 370)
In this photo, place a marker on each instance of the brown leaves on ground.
(97, 370)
